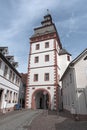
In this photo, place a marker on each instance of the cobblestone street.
(47, 121)
(17, 120)
(39, 120)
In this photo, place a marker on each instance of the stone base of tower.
(43, 97)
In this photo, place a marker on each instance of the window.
(70, 78)
(10, 75)
(7, 95)
(16, 80)
(13, 77)
(37, 47)
(36, 59)
(35, 77)
(0, 63)
(68, 58)
(46, 44)
(46, 76)
(5, 71)
(10, 96)
(46, 57)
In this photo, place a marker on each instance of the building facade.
(9, 81)
(44, 66)
(22, 89)
(74, 83)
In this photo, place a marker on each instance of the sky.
(18, 18)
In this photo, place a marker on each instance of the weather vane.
(47, 11)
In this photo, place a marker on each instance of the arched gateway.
(41, 99)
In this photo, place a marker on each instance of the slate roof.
(47, 26)
(63, 51)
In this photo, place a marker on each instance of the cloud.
(19, 17)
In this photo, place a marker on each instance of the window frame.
(46, 58)
(35, 77)
(46, 77)
(68, 58)
(37, 46)
(13, 77)
(5, 70)
(36, 59)
(10, 75)
(46, 44)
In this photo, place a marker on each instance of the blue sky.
(18, 18)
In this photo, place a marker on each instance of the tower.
(43, 68)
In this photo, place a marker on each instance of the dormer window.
(5, 71)
(68, 57)
(85, 58)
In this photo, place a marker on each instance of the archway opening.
(41, 99)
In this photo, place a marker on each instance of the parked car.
(17, 107)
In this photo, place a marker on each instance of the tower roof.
(47, 27)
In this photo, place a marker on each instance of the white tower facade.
(43, 67)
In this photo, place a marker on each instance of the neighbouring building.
(47, 62)
(74, 83)
(9, 81)
(22, 90)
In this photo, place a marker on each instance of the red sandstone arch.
(33, 106)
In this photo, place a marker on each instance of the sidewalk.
(53, 121)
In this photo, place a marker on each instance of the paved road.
(17, 120)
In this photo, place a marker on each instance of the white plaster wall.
(5, 88)
(81, 73)
(43, 69)
(42, 59)
(69, 91)
(81, 79)
(8, 84)
(63, 63)
(41, 75)
(42, 46)
(5, 84)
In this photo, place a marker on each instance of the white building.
(9, 81)
(44, 67)
(74, 83)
